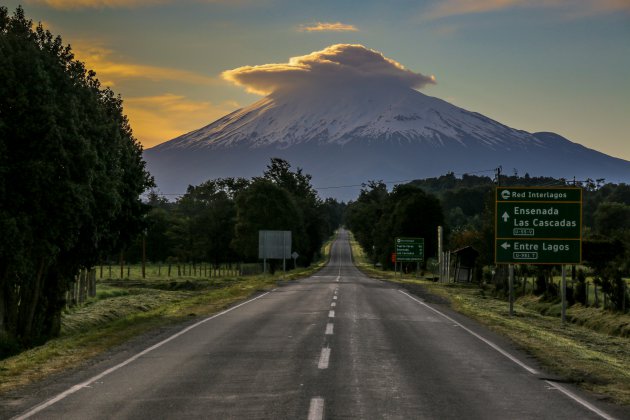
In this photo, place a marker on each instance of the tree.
(204, 221)
(411, 212)
(600, 255)
(612, 218)
(334, 214)
(312, 213)
(264, 206)
(71, 174)
(378, 217)
(363, 215)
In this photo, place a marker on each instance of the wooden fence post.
(122, 266)
(596, 296)
(81, 285)
(623, 298)
(93, 283)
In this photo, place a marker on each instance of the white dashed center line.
(316, 409)
(324, 357)
(329, 328)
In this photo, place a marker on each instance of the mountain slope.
(344, 135)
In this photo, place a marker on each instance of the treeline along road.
(334, 345)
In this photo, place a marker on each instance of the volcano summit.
(347, 115)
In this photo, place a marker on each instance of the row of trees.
(377, 217)
(71, 174)
(218, 221)
(465, 207)
(468, 204)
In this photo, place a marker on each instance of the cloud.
(96, 4)
(569, 8)
(118, 4)
(341, 64)
(111, 71)
(328, 27)
(155, 119)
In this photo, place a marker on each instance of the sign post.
(538, 225)
(295, 256)
(564, 295)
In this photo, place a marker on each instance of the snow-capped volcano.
(347, 115)
(340, 115)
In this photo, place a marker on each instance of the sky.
(539, 65)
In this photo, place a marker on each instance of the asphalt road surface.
(336, 345)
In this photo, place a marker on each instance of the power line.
(549, 183)
(361, 185)
(400, 181)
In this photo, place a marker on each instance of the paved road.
(335, 345)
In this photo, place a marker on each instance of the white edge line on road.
(329, 328)
(84, 384)
(471, 332)
(324, 357)
(533, 371)
(316, 409)
(580, 400)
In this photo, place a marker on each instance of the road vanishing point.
(336, 345)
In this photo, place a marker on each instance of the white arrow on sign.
(505, 216)
(505, 245)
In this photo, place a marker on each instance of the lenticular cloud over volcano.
(345, 64)
(348, 114)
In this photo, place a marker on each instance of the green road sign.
(538, 251)
(538, 225)
(538, 220)
(409, 249)
(538, 194)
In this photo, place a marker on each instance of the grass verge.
(594, 360)
(123, 310)
(94, 328)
